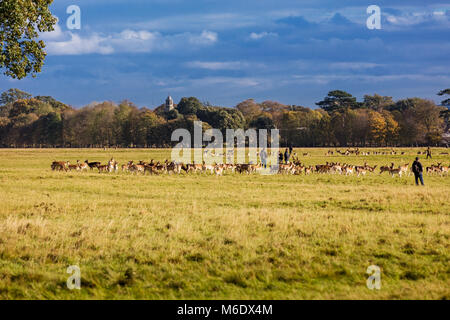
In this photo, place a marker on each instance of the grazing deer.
(207, 167)
(404, 169)
(386, 168)
(60, 165)
(444, 171)
(173, 167)
(361, 171)
(137, 168)
(308, 170)
(348, 170)
(83, 166)
(107, 167)
(241, 168)
(218, 169)
(398, 171)
(75, 167)
(126, 167)
(93, 165)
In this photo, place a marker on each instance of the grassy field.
(230, 237)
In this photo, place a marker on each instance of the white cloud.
(234, 65)
(354, 65)
(68, 43)
(258, 36)
(414, 18)
(206, 37)
(77, 45)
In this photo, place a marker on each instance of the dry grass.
(207, 237)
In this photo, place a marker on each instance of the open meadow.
(201, 236)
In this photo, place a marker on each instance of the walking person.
(429, 153)
(290, 149)
(280, 157)
(418, 171)
(287, 155)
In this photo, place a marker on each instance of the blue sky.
(225, 52)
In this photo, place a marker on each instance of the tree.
(445, 114)
(12, 95)
(428, 116)
(337, 101)
(262, 122)
(446, 102)
(56, 105)
(377, 102)
(377, 125)
(189, 106)
(361, 127)
(20, 21)
(250, 109)
(342, 124)
(392, 127)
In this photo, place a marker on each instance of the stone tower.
(169, 104)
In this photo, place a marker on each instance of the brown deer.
(60, 165)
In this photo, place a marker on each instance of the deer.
(137, 168)
(75, 167)
(207, 167)
(93, 165)
(60, 165)
(83, 166)
(404, 169)
(348, 170)
(126, 167)
(444, 170)
(393, 171)
(219, 169)
(386, 168)
(361, 171)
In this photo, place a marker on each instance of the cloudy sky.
(291, 51)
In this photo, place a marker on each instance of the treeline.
(340, 120)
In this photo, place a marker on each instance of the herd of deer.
(437, 169)
(358, 152)
(294, 168)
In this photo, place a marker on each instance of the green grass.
(230, 237)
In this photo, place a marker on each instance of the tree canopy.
(338, 100)
(21, 53)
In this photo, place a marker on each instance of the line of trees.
(339, 120)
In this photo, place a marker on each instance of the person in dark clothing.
(286, 156)
(418, 171)
(280, 157)
(291, 149)
(429, 153)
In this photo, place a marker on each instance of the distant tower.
(169, 104)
